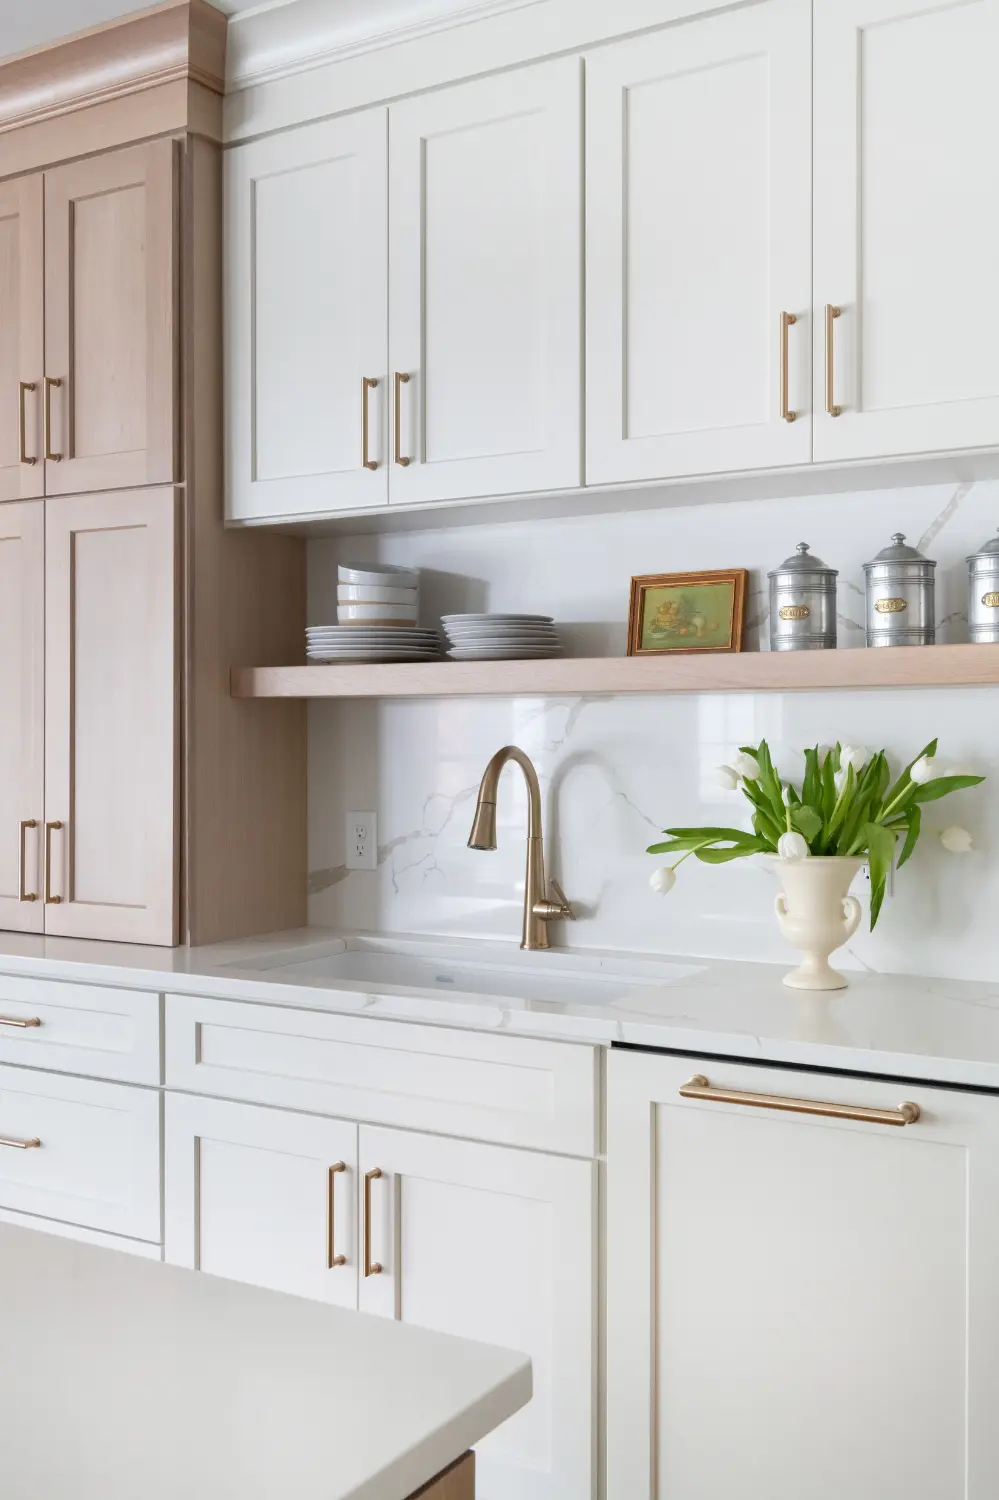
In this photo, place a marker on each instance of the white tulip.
(927, 767)
(840, 780)
(726, 778)
(856, 756)
(787, 796)
(745, 766)
(824, 753)
(956, 840)
(792, 846)
(662, 881)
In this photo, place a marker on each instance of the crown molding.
(181, 41)
(293, 36)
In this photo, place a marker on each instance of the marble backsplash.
(615, 770)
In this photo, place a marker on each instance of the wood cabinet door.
(111, 722)
(111, 334)
(262, 1196)
(485, 194)
(22, 351)
(698, 212)
(799, 1305)
(22, 712)
(906, 225)
(498, 1245)
(307, 320)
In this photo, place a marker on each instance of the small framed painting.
(684, 612)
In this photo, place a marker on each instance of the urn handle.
(852, 912)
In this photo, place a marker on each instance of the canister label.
(802, 611)
(890, 606)
(991, 601)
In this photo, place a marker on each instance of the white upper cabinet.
(698, 212)
(485, 286)
(307, 320)
(906, 225)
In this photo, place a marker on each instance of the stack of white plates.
(495, 637)
(377, 594)
(357, 643)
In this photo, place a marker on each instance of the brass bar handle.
(54, 458)
(50, 828)
(21, 1025)
(401, 379)
(371, 1267)
(700, 1088)
(332, 1259)
(787, 320)
(16, 1145)
(26, 386)
(367, 385)
(832, 313)
(22, 894)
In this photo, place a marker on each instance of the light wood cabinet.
(111, 696)
(698, 212)
(906, 227)
(22, 714)
(796, 1304)
(22, 469)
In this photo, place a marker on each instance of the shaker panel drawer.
(80, 1028)
(513, 1090)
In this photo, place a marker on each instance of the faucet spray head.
(483, 834)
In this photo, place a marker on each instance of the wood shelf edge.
(749, 671)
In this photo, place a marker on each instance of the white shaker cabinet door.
(497, 1245)
(799, 1305)
(485, 286)
(698, 247)
(262, 1196)
(22, 349)
(307, 320)
(906, 226)
(22, 714)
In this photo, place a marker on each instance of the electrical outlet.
(362, 841)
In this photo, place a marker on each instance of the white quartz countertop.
(121, 1377)
(942, 1030)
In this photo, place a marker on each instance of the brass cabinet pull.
(371, 1267)
(54, 458)
(26, 386)
(367, 385)
(332, 1259)
(22, 894)
(21, 1025)
(17, 1145)
(700, 1088)
(401, 379)
(786, 321)
(832, 313)
(50, 828)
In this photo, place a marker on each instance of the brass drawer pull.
(332, 1259)
(371, 1267)
(401, 379)
(786, 321)
(18, 1023)
(700, 1088)
(22, 894)
(26, 386)
(53, 458)
(50, 828)
(832, 313)
(17, 1145)
(367, 386)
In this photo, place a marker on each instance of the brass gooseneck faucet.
(539, 910)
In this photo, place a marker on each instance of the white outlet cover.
(361, 833)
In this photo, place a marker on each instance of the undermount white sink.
(488, 969)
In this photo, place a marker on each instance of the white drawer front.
(514, 1090)
(98, 1161)
(82, 1028)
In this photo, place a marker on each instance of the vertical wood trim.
(24, 324)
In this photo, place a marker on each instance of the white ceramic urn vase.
(816, 915)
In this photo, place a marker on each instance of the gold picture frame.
(684, 613)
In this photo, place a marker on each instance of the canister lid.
(803, 561)
(900, 552)
(987, 549)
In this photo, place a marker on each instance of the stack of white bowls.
(499, 637)
(377, 612)
(377, 594)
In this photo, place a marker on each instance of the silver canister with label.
(983, 594)
(803, 603)
(901, 597)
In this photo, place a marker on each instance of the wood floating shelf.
(743, 672)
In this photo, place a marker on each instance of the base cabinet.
(796, 1304)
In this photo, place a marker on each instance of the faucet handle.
(557, 910)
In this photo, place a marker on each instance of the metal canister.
(983, 593)
(803, 603)
(901, 597)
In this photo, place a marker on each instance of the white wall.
(616, 770)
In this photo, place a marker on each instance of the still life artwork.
(683, 612)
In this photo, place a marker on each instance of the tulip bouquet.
(847, 804)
